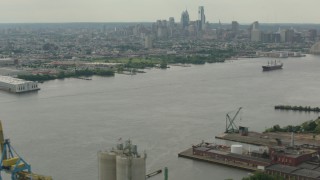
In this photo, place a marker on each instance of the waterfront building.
(291, 156)
(290, 172)
(17, 85)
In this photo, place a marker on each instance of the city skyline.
(246, 11)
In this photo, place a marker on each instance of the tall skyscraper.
(255, 33)
(185, 19)
(235, 27)
(201, 18)
(255, 25)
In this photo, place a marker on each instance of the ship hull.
(270, 68)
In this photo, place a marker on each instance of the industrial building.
(291, 156)
(16, 85)
(233, 155)
(122, 163)
(293, 173)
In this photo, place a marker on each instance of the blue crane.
(11, 162)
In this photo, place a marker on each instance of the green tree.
(163, 64)
(262, 176)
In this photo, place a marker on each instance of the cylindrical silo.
(131, 168)
(139, 168)
(122, 168)
(107, 166)
(236, 148)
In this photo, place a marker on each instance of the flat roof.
(306, 165)
(294, 170)
(11, 80)
(249, 158)
(307, 173)
(282, 168)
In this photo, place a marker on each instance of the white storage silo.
(107, 166)
(131, 168)
(139, 168)
(236, 149)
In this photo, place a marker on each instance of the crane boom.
(14, 164)
(1, 137)
(230, 125)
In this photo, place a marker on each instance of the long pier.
(189, 155)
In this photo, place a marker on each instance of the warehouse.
(17, 85)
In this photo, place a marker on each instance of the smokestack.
(292, 139)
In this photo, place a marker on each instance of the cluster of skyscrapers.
(198, 25)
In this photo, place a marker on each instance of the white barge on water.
(16, 85)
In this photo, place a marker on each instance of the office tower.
(287, 35)
(201, 18)
(185, 19)
(255, 33)
(255, 25)
(235, 27)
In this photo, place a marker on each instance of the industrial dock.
(292, 156)
(191, 155)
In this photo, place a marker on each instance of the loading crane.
(12, 163)
(230, 125)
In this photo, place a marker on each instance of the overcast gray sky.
(244, 11)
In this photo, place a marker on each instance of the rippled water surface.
(60, 128)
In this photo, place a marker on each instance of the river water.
(60, 128)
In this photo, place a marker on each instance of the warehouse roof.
(11, 80)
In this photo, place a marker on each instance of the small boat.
(84, 78)
(272, 66)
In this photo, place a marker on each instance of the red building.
(290, 156)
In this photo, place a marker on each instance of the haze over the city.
(244, 11)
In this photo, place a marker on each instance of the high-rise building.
(201, 18)
(287, 35)
(235, 27)
(254, 25)
(171, 22)
(185, 19)
(255, 33)
(148, 42)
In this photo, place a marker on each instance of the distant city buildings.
(23, 44)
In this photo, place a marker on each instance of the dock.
(189, 155)
(270, 138)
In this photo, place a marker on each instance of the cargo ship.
(272, 66)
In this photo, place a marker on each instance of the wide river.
(60, 128)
